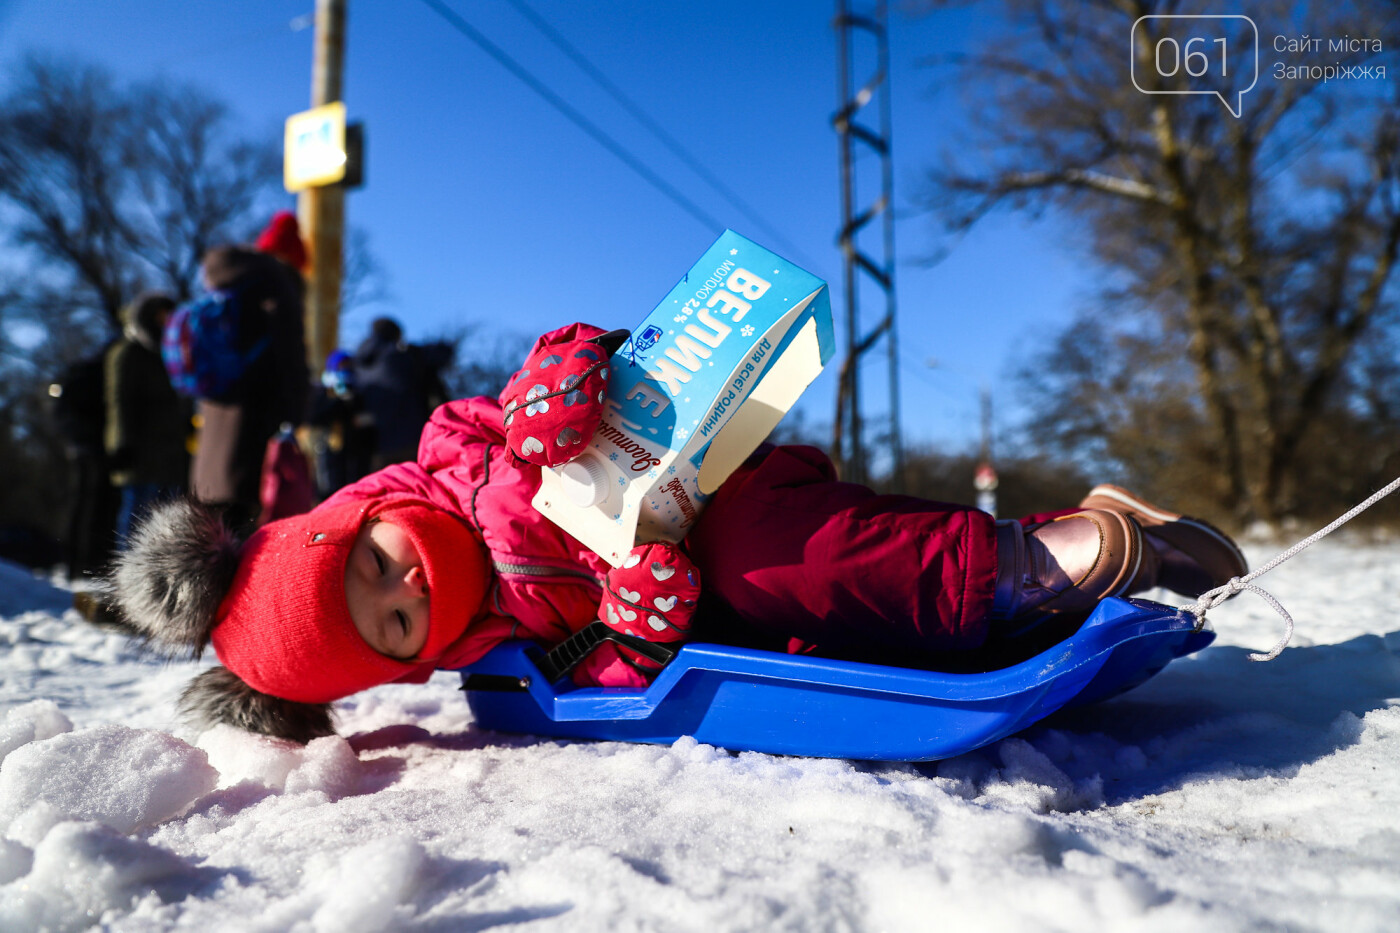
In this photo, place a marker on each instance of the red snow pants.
(792, 552)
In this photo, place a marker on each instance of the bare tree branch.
(1260, 250)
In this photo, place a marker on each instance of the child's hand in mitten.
(652, 595)
(554, 404)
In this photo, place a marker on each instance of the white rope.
(1212, 598)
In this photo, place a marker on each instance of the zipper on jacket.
(543, 570)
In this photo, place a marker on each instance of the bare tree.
(104, 190)
(483, 361)
(60, 179)
(363, 281)
(197, 188)
(1250, 259)
(111, 189)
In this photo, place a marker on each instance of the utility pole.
(321, 209)
(848, 445)
(984, 480)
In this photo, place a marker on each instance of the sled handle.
(565, 656)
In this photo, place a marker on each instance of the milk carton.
(702, 381)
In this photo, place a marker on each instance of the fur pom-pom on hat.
(169, 584)
(217, 697)
(177, 569)
(275, 607)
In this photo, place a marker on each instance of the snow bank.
(360, 891)
(327, 765)
(1223, 795)
(23, 724)
(23, 590)
(126, 779)
(84, 874)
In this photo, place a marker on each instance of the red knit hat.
(282, 239)
(285, 628)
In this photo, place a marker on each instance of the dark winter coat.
(147, 423)
(396, 381)
(234, 431)
(347, 442)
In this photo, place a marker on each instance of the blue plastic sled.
(747, 700)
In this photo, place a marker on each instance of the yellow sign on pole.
(314, 153)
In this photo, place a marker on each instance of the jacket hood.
(144, 319)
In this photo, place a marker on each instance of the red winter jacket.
(783, 547)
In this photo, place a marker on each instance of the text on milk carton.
(695, 344)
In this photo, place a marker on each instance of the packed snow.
(1222, 795)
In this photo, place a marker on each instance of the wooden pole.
(321, 210)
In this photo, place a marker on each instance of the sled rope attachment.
(1236, 585)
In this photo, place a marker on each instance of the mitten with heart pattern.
(555, 403)
(652, 595)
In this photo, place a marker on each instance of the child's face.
(387, 590)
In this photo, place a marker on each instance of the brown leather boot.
(1195, 556)
(1067, 565)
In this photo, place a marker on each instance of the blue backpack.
(200, 346)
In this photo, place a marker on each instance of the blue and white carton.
(698, 386)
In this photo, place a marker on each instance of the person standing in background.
(401, 385)
(147, 423)
(343, 429)
(78, 407)
(282, 239)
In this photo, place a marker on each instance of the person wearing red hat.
(282, 238)
(430, 564)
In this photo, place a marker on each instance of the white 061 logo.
(1208, 54)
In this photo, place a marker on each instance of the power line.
(558, 103)
(642, 117)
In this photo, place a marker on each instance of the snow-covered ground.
(1223, 795)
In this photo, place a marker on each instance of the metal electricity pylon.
(862, 40)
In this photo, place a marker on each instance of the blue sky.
(486, 206)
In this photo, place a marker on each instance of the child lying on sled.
(430, 564)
